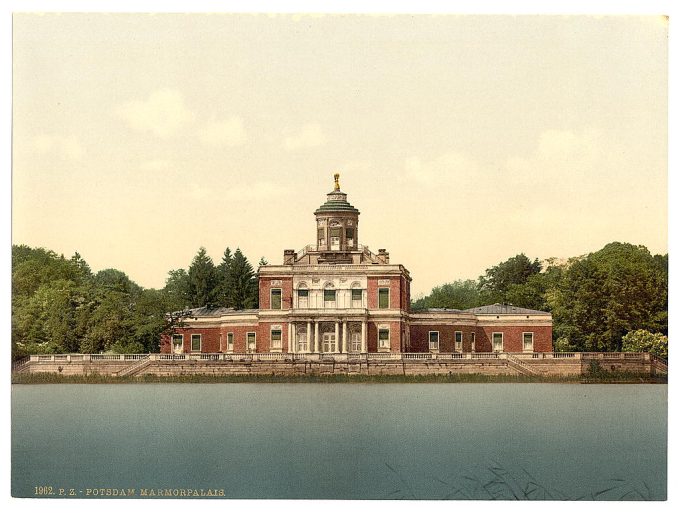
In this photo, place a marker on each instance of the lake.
(342, 441)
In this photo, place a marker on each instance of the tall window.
(329, 298)
(321, 237)
(302, 341)
(195, 342)
(434, 340)
(275, 298)
(250, 340)
(383, 339)
(472, 341)
(497, 338)
(276, 340)
(177, 343)
(459, 341)
(356, 298)
(356, 342)
(384, 298)
(303, 298)
(230, 342)
(349, 236)
(528, 340)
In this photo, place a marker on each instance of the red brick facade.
(327, 275)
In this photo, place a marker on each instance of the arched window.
(329, 296)
(303, 296)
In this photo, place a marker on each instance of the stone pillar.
(291, 338)
(363, 337)
(343, 349)
(309, 337)
(316, 337)
(337, 334)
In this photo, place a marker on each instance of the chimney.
(383, 256)
(289, 257)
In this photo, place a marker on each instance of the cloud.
(224, 133)
(309, 136)
(560, 157)
(64, 147)
(163, 113)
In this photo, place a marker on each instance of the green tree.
(176, 291)
(202, 280)
(646, 341)
(496, 284)
(223, 298)
(609, 293)
(241, 283)
(461, 294)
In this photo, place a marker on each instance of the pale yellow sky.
(463, 140)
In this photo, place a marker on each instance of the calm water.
(425, 441)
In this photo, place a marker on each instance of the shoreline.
(613, 378)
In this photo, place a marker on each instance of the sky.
(463, 140)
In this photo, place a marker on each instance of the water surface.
(425, 441)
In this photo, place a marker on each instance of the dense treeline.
(60, 306)
(611, 300)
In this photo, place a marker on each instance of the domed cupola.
(337, 222)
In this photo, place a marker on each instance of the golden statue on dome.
(337, 181)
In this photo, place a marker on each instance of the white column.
(309, 337)
(316, 337)
(291, 348)
(344, 337)
(363, 337)
(337, 334)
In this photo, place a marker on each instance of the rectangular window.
(303, 298)
(302, 341)
(349, 234)
(329, 298)
(276, 340)
(472, 341)
(459, 341)
(250, 339)
(230, 342)
(384, 298)
(384, 339)
(320, 234)
(356, 298)
(497, 338)
(336, 232)
(528, 338)
(434, 340)
(275, 298)
(356, 342)
(195, 342)
(177, 342)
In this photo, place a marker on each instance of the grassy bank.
(603, 378)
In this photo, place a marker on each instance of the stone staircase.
(522, 367)
(135, 368)
(659, 366)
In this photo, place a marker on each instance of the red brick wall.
(210, 339)
(512, 338)
(264, 336)
(420, 341)
(286, 292)
(372, 336)
(395, 292)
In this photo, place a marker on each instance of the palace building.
(337, 298)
